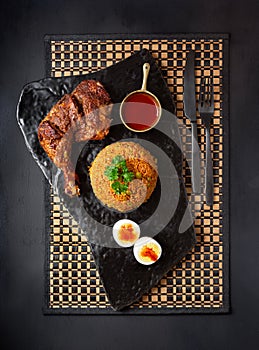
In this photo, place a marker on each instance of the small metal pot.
(144, 91)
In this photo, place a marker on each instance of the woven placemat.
(200, 283)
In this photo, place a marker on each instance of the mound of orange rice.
(139, 161)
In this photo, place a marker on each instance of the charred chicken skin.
(80, 116)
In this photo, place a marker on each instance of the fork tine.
(211, 92)
(207, 90)
(202, 90)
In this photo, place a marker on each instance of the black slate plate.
(123, 278)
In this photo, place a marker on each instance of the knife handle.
(196, 161)
(208, 170)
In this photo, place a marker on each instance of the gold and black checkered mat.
(200, 282)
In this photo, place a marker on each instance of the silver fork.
(206, 110)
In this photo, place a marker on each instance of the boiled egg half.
(147, 250)
(126, 232)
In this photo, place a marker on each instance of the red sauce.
(150, 253)
(127, 233)
(140, 111)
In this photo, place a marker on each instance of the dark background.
(23, 326)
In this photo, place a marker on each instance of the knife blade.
(189, 100)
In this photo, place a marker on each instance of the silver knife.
(189, 100)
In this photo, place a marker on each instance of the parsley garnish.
(119, 161)
(119, 187)
(127, 176)
(112, 172)
(119, 174)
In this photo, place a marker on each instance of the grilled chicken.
(80, 116)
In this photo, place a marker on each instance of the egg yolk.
(149, 252)
(127, 233)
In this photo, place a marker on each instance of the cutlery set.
(206, 111)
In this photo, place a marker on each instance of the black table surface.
(23, 325)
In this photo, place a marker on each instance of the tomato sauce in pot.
(140, 111)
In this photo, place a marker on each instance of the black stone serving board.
(123, 278)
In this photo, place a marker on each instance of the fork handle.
(196, 161)
(208, 170)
